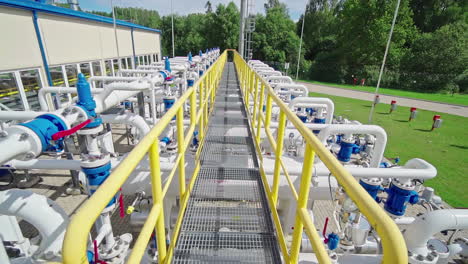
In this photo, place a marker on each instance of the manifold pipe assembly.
(378, 132)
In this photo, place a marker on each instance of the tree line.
(343, 39)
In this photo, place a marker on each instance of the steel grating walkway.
(227, 219)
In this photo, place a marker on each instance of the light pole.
(172, 21)
(383, 61)
(300, 46)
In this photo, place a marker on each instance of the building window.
(116, 66)
(154, 58)
(129, 62)
(58, 79)
(31, 81)
(109, 68)
(10, 98)
(96, 65)
(85, 69)
(72, 74)
(124, 63)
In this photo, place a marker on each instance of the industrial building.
(45, 45)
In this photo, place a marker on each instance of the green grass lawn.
(460, 99)
(446, 147)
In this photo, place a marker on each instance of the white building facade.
(44, 45)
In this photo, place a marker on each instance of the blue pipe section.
(333, 240)
(167, 65)
(43, 54)
(372, 190)
(195, 141)
(44, 126)
(318, 121)
(86, 101)
(398, 198)
(190, 57)
(96, 176)
(346, 150)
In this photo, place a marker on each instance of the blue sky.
(182, 7)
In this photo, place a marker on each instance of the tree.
(274, 37)
(438, 60)
(222, 27)
(430, 15)
(274, 4)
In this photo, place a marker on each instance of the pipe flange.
(403, 184)
(92, 161)
(90, 131)
(431, 258)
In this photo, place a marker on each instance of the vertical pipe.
(180, 145)
(303, 195)
(115, 35)
(242, 28)
(278, 154)
(156, 188)
(43, 56)
(133, 49)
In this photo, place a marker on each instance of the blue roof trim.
(38, 7)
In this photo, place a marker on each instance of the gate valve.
(71, 131)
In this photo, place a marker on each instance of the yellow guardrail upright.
(76, 238)
(255, 87)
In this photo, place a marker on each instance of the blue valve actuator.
(398, 198)
(333, 241)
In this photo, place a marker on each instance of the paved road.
(403, 101)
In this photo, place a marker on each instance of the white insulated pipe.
(20, 115)
(378, 132)
(46, 90)
(311, 101)
(420, 231)
(129, 119)
(44, 214)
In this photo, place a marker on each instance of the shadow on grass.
(423, 130)
(401, 121)
(458, 146)
(368, 106)
(383, 113)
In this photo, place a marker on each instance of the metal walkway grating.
(227, 219)
(222, 247)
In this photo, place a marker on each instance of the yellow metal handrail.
(252, 84)
(76, 237)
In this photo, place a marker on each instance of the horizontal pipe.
(420, 231)
(19, 115)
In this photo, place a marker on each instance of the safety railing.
(254, 87)
(76, 237)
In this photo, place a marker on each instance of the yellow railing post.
(278, 154)
(201, 128)
(156, 188)
(268, 111)
(255, 99)
(304, 188)
(180, 146)
(193, 108)
(260, 111)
